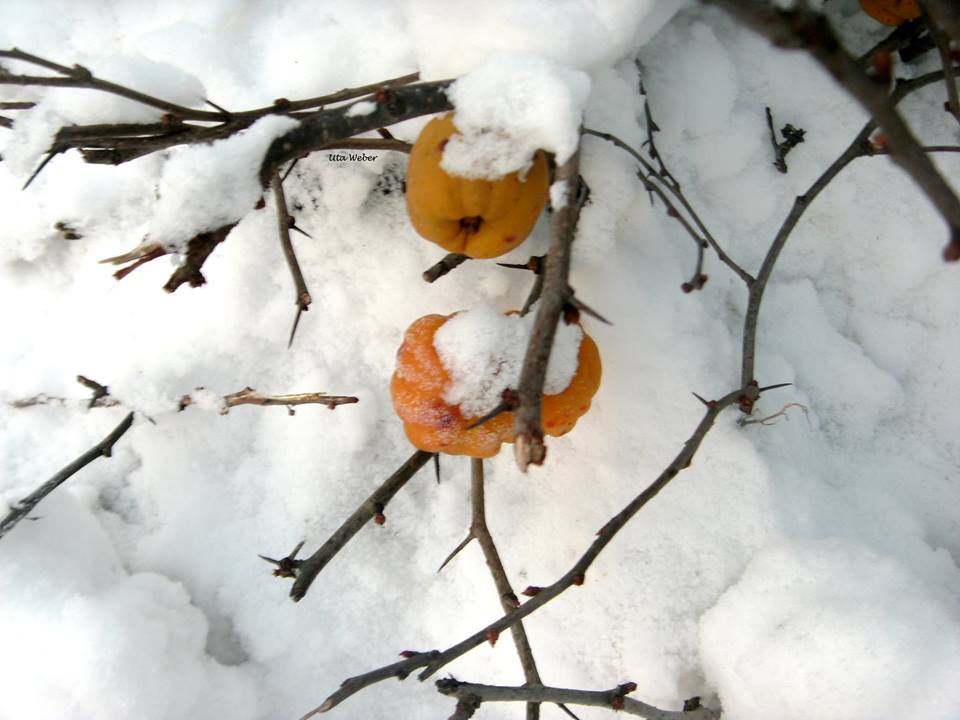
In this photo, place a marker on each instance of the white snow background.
(806, 569)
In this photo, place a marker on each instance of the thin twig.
(942, 41)
(528, 442)
(80, 77)
(672, 210)
(249, 396)
(368, 509)
(614, 699)
(104, 448)
(859, 147)
(350, 686)
(284, 222)
(508, 599)
(791, 138)
(445, 265)
(800, 27)
(772, 419)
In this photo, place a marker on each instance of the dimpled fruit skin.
(891, 12)
(420, 379)
(479, 218)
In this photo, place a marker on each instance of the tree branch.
(859, 147)
(80, 77)
(445, 265)
(400, 670)
(674, 190)
(508, 599)
(434, 660)
(577, 574)
(528, 443)
(104, 448)
(614, 699)
(324, 128)
(284, 222)
(942, 40)
(368, 509)
(803, 28)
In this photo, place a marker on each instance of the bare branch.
(400, 670)
(946, 13)
(445, 265)
(648, 178)
(80, 77)
(859, 147)
(528, 443)
(368, 509)
(577, 574)
(249, 396)
(614, 699)
(803, 28)
(942, 40)
(284, 223)
(508, 599)
(900, 37)
(104, 448)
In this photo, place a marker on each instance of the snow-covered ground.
(798, 570)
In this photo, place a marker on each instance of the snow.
(509, 107)
(196, 172)
(482, 349)
(364, 107)
(803, 631)
(558, 195)
(802, 569)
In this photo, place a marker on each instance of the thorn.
(583, 307)
(774, 387)
(456, 550)
(436, 465)
(296, 322)
(212, 104)
(40, 167)
(701, 399)
(510, 401)
(290, 169)
(303, 232)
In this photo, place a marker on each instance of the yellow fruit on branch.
(479, 218)
(891, 12)
(421, 380)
